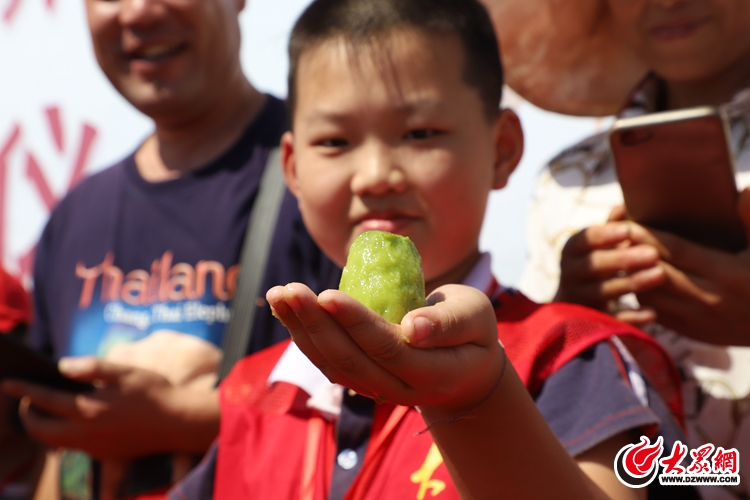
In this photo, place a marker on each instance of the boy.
(394, 112)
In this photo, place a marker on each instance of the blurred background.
(60, 120)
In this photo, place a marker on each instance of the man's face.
(169, 58)
(686, 40)
(388, 137)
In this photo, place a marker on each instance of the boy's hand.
(706, 295)
(451, 362)
(602, 263)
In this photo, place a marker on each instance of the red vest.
(273, 447)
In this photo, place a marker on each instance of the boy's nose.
(379, 172)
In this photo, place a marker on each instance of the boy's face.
(167, 56)
(387, 136)
(686, 40)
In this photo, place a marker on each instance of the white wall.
(47, 67)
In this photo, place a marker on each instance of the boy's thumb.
(462, 315)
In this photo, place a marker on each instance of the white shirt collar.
(295, 368)
(480, 276)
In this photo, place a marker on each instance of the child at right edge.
(395, 126)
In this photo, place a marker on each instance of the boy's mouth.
(391, 222)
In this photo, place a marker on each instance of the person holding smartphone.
(21, 459)
(693, 298)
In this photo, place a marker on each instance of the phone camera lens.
(633, 137)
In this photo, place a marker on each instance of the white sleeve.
(575, 190)
(541, 272)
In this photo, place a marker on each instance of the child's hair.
(364, 20)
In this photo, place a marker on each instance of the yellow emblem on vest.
(423, 477)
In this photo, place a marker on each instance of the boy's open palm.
(446, 355)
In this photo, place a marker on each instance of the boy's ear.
(508, 146)
(288, 164)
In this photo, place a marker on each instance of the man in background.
(139, 263)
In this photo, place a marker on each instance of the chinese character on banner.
(74, 159)
(700, 459)
(726, 460)
(9, 8)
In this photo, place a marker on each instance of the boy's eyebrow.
(327, 116)
(406, 108)
(421, 104)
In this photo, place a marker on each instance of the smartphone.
(676, 171)
(18, 361)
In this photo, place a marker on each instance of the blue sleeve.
(589, 400)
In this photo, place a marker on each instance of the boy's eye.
(421, 134)
(332, 143)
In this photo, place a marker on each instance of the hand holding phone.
(17, 361)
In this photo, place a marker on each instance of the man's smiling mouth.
(157, 52)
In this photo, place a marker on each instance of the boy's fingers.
(463, 316)
(341, 359)
(286, 315)
(280, 309)
(464, 335)
(288, 318)
(410, 369)
(463, 331)
(381, 340)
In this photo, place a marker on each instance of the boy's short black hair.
(363, 20)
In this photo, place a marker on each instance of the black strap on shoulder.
(255, 251)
